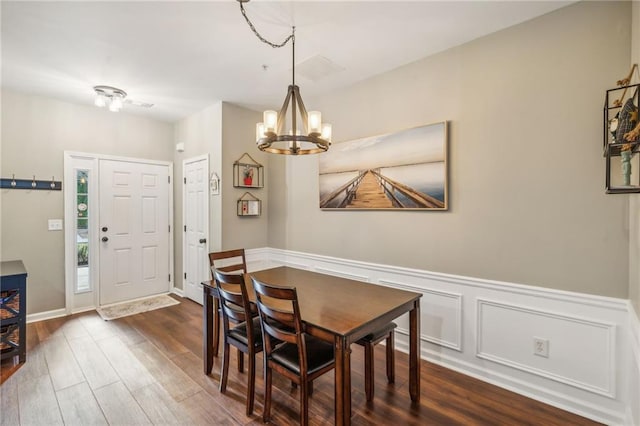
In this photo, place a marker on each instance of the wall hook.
(13, 181)
(33, 183)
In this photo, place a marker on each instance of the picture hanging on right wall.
(405, 170)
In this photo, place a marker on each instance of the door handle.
(105, 239)
(203, 240)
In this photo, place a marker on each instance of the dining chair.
(246, 335)
(369, 341)
(227, 261)
(287, 348)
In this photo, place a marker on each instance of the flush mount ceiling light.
(109, 96)
(312, 136)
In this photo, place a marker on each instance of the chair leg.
(304, 403)
(266, 409)
(251, 383)
(240, 361)
(391, 369)
(310, 388)
(224, 370)
(368, 371)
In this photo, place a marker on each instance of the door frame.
(71, 159)
(195, 159)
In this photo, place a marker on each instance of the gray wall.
(526, 169)
(238, 137)
(224, 132)
(634, 201)
(35, 133)
(201, 134)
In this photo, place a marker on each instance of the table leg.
(414, 352)
(342, 382)
(207, 338)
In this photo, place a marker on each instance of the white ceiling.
(184, 56)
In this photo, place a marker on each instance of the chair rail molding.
(486, 329)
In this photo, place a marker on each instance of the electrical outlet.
(54, 224)
(541, 347)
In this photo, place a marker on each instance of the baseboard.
(177, 291)
(81, 310)
(485, 329)
(41, 316)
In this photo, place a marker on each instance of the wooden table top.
(338, 305)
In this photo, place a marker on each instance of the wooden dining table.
(337, 310)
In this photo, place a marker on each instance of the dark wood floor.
(147, 369)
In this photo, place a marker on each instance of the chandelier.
(109, 96)
(305, 136)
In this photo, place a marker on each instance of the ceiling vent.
(317, 67)
(138, 103)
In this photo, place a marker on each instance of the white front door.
(196, 226)
(134, 230)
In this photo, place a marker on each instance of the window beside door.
(83, 283)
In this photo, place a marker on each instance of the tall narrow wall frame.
(622, 166)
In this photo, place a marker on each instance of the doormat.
(139, 306)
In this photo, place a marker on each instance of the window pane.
(83, 282)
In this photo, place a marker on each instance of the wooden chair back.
(228, 261)
(280, 318)
(234, 301)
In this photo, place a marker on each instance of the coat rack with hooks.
(47, 185)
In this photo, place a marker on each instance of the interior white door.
(196, 226)
(134, 230)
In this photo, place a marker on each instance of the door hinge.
(168, 179)
(185, 228)
(185, 180)
(169, 228)
(169, 277)
(185, 275)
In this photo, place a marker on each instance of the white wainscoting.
(485, 329)
(505, 334)
(632, 375)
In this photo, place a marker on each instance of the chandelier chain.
(262, 39)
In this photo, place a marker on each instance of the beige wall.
(526, 169)
(634, 201)
(201, 134)
(35, 133)
(224, 132)
(238, 137)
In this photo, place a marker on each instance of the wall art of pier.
(372, 190)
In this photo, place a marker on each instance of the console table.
(13, 310)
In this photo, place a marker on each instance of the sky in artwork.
(412, 146)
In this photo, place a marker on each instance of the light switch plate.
(55, 224)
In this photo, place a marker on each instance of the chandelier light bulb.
(326, 132)
(259, 131)
(314, 122)
(270, 121)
